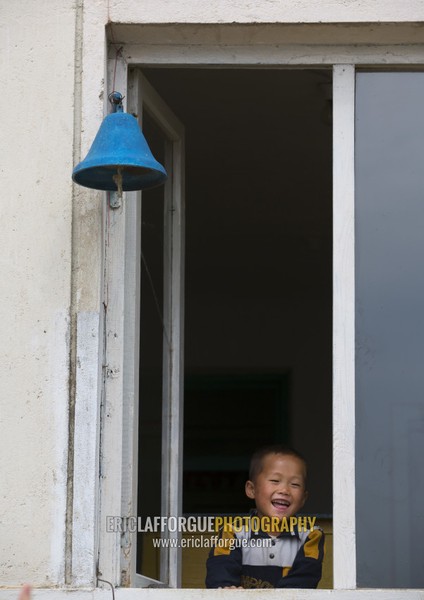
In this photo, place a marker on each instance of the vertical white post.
(173, 357)
(131, 362)
(344, 327)
(112, 412)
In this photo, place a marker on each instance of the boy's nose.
(283, 487)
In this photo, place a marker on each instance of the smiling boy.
(270, 559)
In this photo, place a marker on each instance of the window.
(258, 232)
(389, 328)
(344, 511)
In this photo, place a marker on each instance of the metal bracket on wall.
(115, 199)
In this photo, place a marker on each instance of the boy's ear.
(305, 497)
(249, 488)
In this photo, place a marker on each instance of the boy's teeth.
(280, 502)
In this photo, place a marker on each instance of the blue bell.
(119, 158)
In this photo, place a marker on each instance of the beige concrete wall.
(37, 82)
(265, 11)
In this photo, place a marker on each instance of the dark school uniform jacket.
(256, 560)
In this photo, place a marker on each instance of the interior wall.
(258, 245)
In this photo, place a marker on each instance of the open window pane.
(161, 312)
(151, 360)
(389, 328)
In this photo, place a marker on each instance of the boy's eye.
(274, 481)
(296, 484)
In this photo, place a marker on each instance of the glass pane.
(389, 328)
(151, 362)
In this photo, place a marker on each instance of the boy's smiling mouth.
(280, 504)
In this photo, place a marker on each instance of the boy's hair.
(256, 462)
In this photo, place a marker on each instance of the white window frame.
(142, 96)
(119, 426)
(114, 444)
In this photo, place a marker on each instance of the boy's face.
(279, 489)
